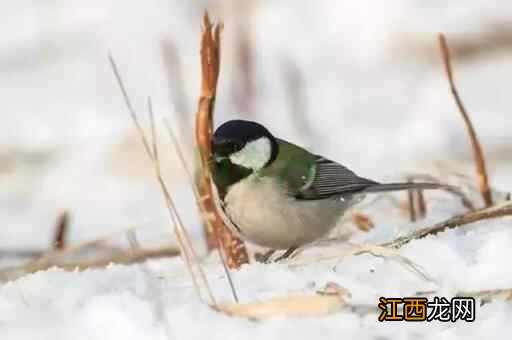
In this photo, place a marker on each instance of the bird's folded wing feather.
(332, 179)
(309, 177)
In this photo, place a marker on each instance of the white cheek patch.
(254, 155)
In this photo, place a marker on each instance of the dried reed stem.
(411, 205)
(489, 295)
(496, 211)
(122, 257)
(303, 306)
(187, 251)
(59, 257)
(416, 203)
(233, 247)
(61, 231)
(197, 196)
(422, 207)
(478, 155)
(466, 202)
(359, 249)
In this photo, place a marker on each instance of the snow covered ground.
(119, 303)
(372, 92)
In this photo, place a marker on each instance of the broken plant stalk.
(496, 211)
(186, 250)
(61, 231)
(197, 196)
(234, 248)
(478, 155)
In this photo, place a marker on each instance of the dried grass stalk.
(411, 205)
(465, 200)
(305, 306)
(416, 203)
(422, 207)
(197, 196)
(186, 250)
(61, 231)
(123, 257)
(63, 258)
(478, 155)
(360, 249)
(489, 295)
(496, 211)
(233, 247)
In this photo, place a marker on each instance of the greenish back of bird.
(294, 167)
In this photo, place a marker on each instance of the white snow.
(374, 96)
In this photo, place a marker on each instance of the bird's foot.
(288, 253)
(264, 257)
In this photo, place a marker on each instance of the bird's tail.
(403, 186)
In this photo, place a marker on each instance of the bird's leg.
(264, 257)
(286, 254)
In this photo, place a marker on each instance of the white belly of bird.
(267, 216)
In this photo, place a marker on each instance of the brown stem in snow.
(61, 231)
(234, 248)
(478, 155)
(452, 223)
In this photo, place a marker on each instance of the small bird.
(279, 195)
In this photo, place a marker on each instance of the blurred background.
(361, 82)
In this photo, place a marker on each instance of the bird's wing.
(309, 177)
(331, 179)
(293, 167)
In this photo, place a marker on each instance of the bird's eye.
(227, 147)
(234, 146)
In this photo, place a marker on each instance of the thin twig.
(193, 185)
(17, 253)
(412, 206)
(466, 202)
(128, 104)
(416, 202)
(422, 207)
(123, 257)
(181, 234)
(496, 211)
(58, 255)
(374, 250)
(153, 130)
(187, 251)
(61, 231)
(483, 181)
(487, 296)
